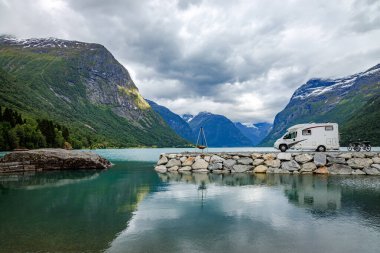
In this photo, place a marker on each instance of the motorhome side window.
(329, 128)
(306, 132)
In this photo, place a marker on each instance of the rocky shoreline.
(51, 159)
(334, 163)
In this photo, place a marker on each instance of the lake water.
(130, 208)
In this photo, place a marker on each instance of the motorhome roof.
(308, 125)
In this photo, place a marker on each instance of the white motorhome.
(312, 136)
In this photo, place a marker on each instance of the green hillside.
(83, 87)
(365, 124)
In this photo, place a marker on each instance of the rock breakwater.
(51, 159)
(335, 163)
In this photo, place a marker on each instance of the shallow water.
(130, 208)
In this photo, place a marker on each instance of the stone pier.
(334, 163)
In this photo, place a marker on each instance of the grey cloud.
(239, 58)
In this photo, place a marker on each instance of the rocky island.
(52, 159)
(339, 163)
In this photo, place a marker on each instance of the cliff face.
(330, 100)
(80, 84)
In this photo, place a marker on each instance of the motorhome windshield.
(291, 135)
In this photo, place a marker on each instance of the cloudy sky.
(243, 59)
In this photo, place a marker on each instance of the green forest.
(17, 132)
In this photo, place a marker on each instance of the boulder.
(207, 158)
(235, 157)
(358, 172)
(303, 158)
(290, 166)
(371, 171)
(273, 163)
(256, 155)
(257, 162)
(284, 156)
(359, 163)
(245, 161)
(201, 170)
(377, 166)
(308, 167)
(54, 159)
(161, 169)
(189, 161)
(321, 170)
(185, 168)
(358, 155)
(333, 160)
(320, 159)
(172, 156)
(229, 163)
(241, 168)
(260, 169)
(244, 154)
(280, 171)
(215, 166)
(376, 160)
(340, 169)
(173, 162)
(296, 172)
(269, 156)
(183, 158)
(370, 154)
(221, 171)
(216, 159)
(345, 155)
(163, 160)
(332, 154)
(174, 168)
(199, 165)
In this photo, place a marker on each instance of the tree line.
(17, 132)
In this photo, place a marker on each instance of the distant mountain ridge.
(254, 132)
(180, 126)
(219, 130)
(80, 85)
(340, 100)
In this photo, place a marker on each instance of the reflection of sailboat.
(202, 188)
(201, 140)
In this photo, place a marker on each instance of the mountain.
(178, 124)
(219, 131)
(365, 124)
(187, 117)
(347, 101)
(81, 86)
(254, 132)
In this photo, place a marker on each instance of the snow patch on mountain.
(317, 87)
(40, 42)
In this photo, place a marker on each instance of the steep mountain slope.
(365, 124)
(179, 125)
(254, 132)
(220, 131)
(187, 117)
(80, 85)
(329, 100)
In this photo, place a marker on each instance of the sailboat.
(201, 141)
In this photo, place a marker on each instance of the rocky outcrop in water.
(52, 159)
(334, 163)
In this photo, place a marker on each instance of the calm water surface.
(130, 208)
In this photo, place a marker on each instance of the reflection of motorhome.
(313, 136)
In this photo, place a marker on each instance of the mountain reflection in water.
(255, 212)
(131, 208)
